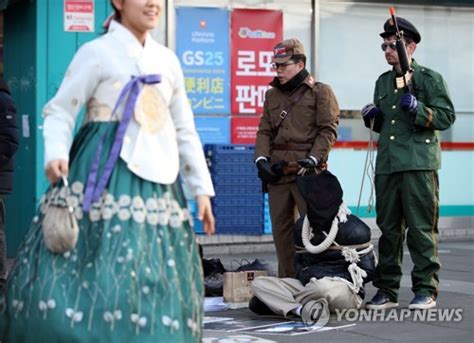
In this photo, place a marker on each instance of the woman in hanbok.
(135, 273)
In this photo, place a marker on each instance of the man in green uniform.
(407, 112)
(299, 123)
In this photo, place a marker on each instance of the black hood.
(323, 195)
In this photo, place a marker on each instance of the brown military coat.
(312, 120)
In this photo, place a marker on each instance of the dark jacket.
(9, 138)
(331, 263)
(313, 120)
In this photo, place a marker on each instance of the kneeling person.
(334, 258)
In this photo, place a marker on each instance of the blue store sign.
(203, 48)
(213, 130)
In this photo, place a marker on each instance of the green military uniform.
(406, 182)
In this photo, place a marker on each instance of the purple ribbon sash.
(94, 188)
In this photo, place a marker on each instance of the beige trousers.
(284, 295)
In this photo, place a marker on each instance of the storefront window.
(297, 16)
(350, 59)
(159, 33)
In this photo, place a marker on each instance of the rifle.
(294, 168)
(402, 52)
(284, 168)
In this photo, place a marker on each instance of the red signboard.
(254, 34)
(79, 6)
(244, 129)
(79, 15)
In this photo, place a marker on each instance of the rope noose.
(350, 255)
(341, 217)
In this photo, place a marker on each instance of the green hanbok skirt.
(134, 275)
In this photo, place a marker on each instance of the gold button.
(395, 91)
(117, 84)
(394, 107)
(393, 122)
(392, 138)
(427, 141)
(126, 140)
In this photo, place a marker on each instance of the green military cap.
(409, 30)
(285, 50)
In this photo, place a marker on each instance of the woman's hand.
(205, 213)
(56, 169)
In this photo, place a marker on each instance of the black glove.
(265, 172)
(307, 163)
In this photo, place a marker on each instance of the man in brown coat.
(299, 124)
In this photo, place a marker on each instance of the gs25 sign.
(203, 58)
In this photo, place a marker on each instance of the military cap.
(283, 51)
(409, 30)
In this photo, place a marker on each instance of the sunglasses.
(392, 45)
(281, 66)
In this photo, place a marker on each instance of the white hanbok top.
(161, 139)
